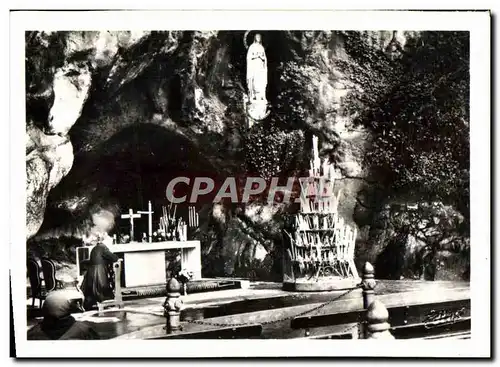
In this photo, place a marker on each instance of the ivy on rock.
(271, 151)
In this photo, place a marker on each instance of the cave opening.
(125, 167)
(126, 171)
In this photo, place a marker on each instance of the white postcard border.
(479, 25)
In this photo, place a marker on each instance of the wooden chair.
(35, 281)
(49, 275)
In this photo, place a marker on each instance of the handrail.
(397, 314)
(406, 321)
(131, 310)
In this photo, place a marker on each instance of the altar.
(144, 262)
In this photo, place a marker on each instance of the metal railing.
(374, 321)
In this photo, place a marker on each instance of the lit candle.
(315, 147)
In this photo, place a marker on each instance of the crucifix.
(131, 216)
(149, 212)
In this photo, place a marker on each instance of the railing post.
(377, 318)
(368, 284)
(173, 306)
(117, 267)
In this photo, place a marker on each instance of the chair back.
(82, 259)
(49, 274)
(34, 276)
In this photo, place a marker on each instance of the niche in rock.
(175, 97)
(278, 50)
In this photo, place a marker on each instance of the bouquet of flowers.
(184, 277)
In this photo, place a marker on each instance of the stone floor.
(261, 302)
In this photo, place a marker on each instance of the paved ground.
(259, 303)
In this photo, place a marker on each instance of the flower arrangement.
(184, 277)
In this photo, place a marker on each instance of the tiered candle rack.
(320, 246)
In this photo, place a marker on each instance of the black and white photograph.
(254, 178)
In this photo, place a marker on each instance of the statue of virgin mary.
(256, 70)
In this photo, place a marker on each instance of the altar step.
(195, 286)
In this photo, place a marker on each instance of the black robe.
(65, 328)
(96, 285)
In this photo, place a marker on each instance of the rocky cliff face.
(113, 116)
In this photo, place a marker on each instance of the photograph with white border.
(288, 182)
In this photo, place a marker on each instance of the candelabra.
(320, 246)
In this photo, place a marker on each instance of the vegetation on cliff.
(416, 106)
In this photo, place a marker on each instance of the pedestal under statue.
(256, 102)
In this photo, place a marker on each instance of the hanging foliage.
(417, 109)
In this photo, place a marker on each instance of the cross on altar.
(149, 212)
(131, 216)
